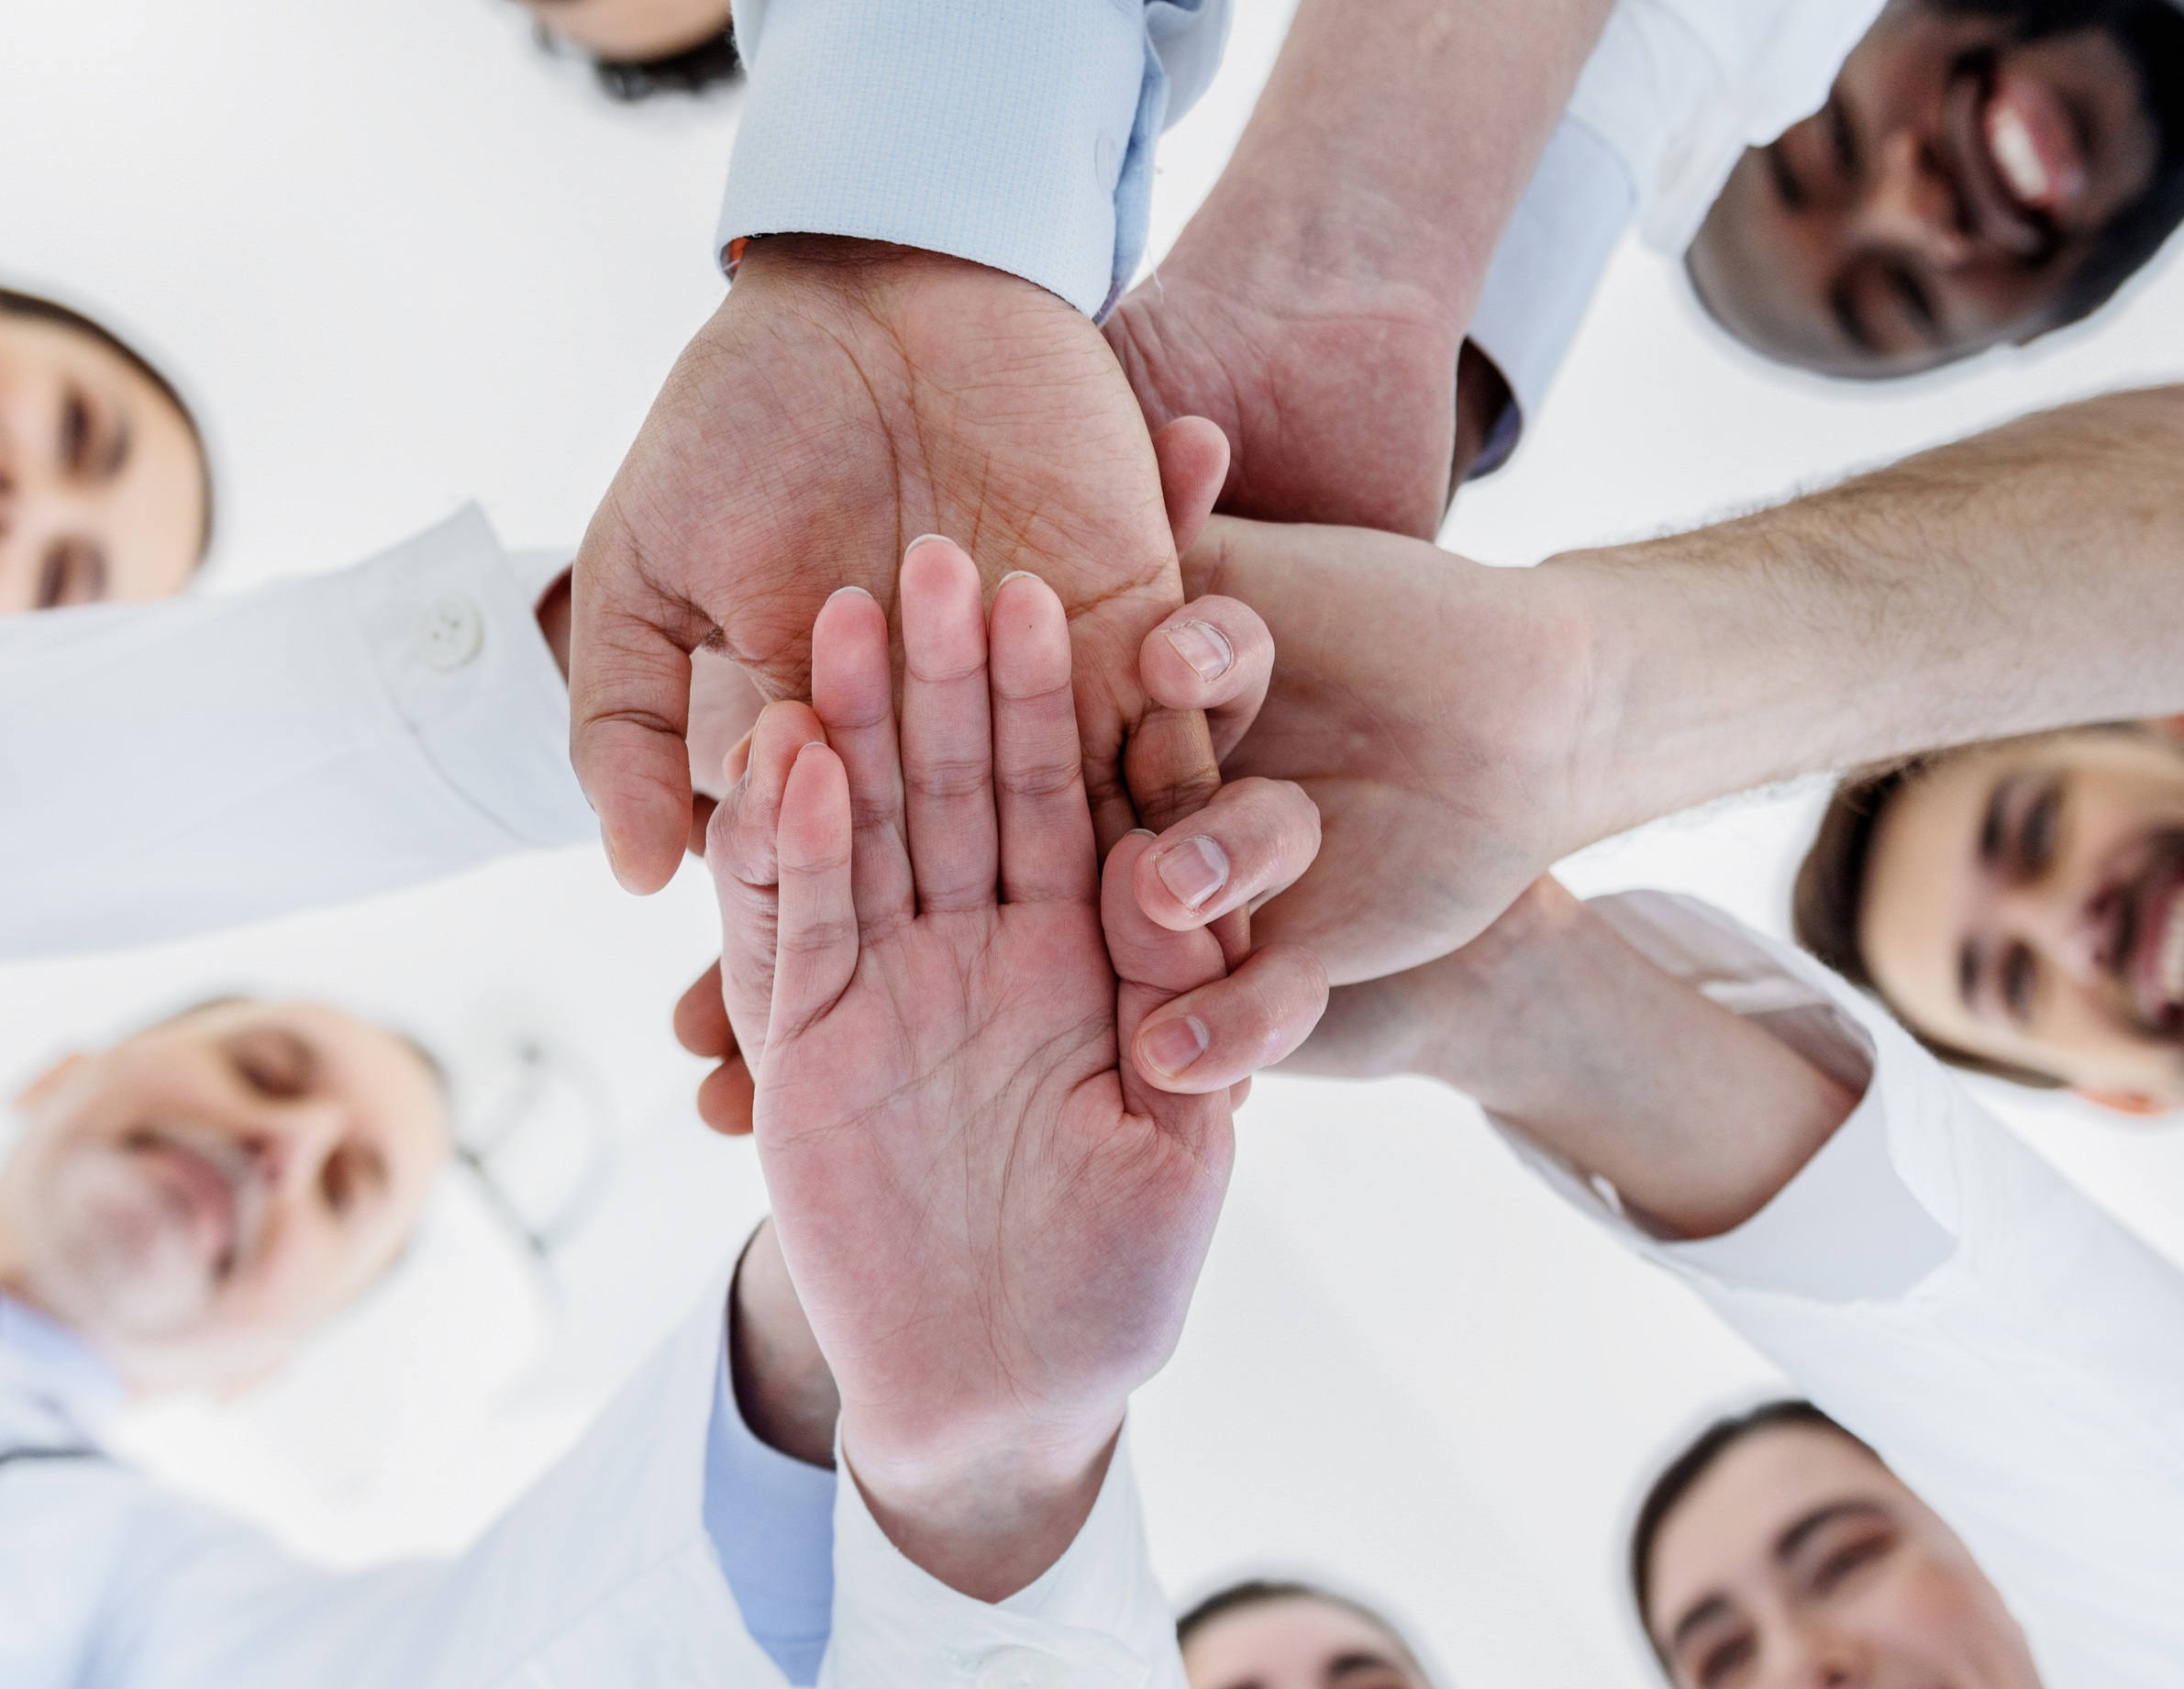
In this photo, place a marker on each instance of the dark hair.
(2151, 33)
(1266, 1591)
(1682, 1473)
(1830, 894)
(712, 62)
(33, 307)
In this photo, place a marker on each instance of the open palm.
(993, 1225)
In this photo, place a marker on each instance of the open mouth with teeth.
(2019, 160)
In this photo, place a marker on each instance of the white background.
(399, 261)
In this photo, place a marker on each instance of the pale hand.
(994, 1224)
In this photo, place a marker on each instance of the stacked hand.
(845, 398)
(992, 1218)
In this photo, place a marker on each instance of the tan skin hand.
(845, 398)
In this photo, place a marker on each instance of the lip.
(209, 1197)
(2152, 920)
(1990, 208)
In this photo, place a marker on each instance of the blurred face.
(1298, 1644)
(1798, 1560)
(626, 31)
(102, 483)
(1937, 204)
(199, 1198)
(2025, 901)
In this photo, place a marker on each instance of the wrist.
(985, 1520)
(784, 1389)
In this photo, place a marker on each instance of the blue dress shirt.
(1018, 134)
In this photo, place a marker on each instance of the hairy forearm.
(1554, 1022)
(1395, 138)
(2030, 577)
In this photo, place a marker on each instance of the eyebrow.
(1705, 1613)
(1799, 1534)
(1349, 1664)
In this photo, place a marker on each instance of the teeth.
(2171, 973)
(2017, 155)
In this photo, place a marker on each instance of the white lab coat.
(190, 765)
(603, 1575)
(2006, 1346)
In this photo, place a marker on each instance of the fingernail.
(1193, 869)
(1016, 574)
(1174, 1044)
(841, 592)
(925, 539)
(1204, 647)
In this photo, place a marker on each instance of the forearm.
(1393, 140)
(2026, 578)
(1553, 1022)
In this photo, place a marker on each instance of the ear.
(1193, 457)
(47, 1083)
(2128, 1102)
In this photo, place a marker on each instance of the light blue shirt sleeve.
(1551, 256)
(1018, 134)
(772, 1521)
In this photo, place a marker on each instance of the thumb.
(629, 710)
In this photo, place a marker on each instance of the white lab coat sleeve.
(1096, 1619)
(177, 767)
(602, 1574)
(2011, 1350)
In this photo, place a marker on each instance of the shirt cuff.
(1096, 1619)
(456, 642)
(771, 1520)
(993, 130)
(1545, 271)
(1848, 1226)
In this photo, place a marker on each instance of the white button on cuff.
(449, 633)
(1021, 1668)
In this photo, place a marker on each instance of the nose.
(293, 1142)
(2070, 931)
(1816, 1656)
(1910, 205)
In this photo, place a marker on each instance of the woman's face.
(102, 479)
(2024, 901)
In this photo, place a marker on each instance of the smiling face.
(1797, 1557)
(199, 1198)
(2025, 902)
(1297, 1642)
(627, 31)
(101, 477)
(1940, 203)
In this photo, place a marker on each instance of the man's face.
(198, 1199)
(1297, 1643)
(1937, 204)
(2025, 901)
(102, 482)
(1798, 1558)
(628, 31)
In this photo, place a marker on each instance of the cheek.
(1930, 1617)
